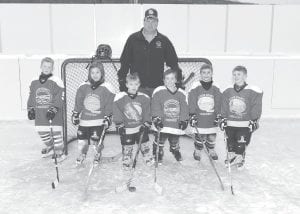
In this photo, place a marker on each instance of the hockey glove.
(120, 129)
(223, 124)
(157, 122)
(193, 120)
(51, 113)
(218, 120)
(253, 125)
(183, 124)
(31, 113)
(75, 118)
(145, 127)
(107, 121)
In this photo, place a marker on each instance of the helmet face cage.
(103, 52)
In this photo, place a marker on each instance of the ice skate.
(197, 154)
(47, 152)
(80, 159)
(212, 153)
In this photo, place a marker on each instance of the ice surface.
(270, 183)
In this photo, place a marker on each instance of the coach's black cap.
(151, 13)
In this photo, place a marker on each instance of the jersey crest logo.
(237, 106)
(206, 103)
(92, 103)
(172, 110)
(43, 96)
(133, 111)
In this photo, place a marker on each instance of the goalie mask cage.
(74, 71)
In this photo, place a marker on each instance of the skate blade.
(158, 188)
(50, 154)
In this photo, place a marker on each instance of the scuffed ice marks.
(269, 184)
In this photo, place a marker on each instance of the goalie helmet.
(103, 52)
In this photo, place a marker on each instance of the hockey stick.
(157, 187)
(210, 159)
(54, 183)
(127, 185)
(85, 195)
(187, 80)
(229, 163)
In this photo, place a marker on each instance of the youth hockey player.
(131, 114)
(204, 100)
(45, 104)
(170, 114)
(92, 111)
(241, 109)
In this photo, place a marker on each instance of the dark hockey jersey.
(93, 105)
(240, 107)
(132, 112)
(206, 105)
(171, 108)
(42, 96)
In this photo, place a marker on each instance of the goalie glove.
(107, 121)
(223, 124)
(51, 113)
(75, 118)
(193, 120)
(183, 124)
(31, 113)
(157, 122)
(253, 125)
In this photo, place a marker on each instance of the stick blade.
(54, 184)
(158, 188)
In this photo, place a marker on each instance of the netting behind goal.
(74, 72)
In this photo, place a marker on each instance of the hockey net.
(75, 71)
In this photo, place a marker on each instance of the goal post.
(74, 71)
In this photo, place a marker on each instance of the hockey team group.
(170, 109)
(151, 100)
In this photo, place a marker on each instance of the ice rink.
(270, 183)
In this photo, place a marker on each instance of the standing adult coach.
(145, 52)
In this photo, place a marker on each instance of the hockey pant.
(87, 136)
(238, 138)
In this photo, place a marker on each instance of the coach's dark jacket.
(147, 59)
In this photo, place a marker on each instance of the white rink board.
(73, 29)
(206, 29)
(286, 84)
(249, 29)
(286, 31)
(114, 23)
(25, 28)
